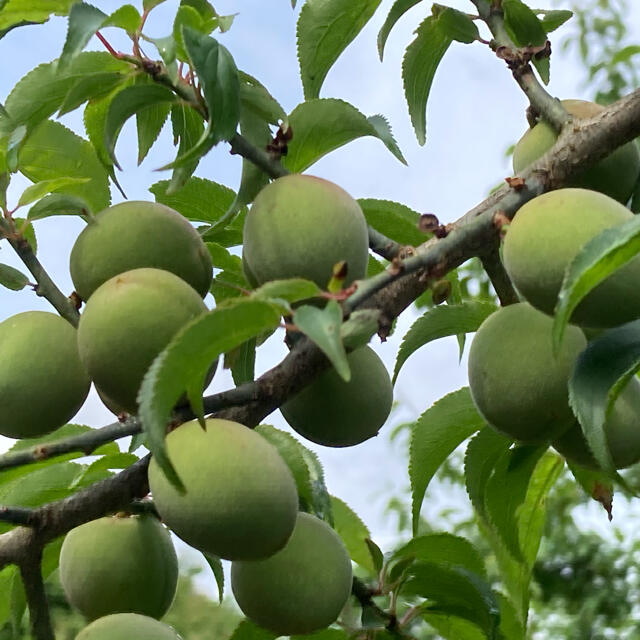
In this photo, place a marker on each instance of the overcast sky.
(475, 113)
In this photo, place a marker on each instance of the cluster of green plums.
(518, 384)
(142, 271)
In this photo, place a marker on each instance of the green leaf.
(149, 123)
(443, 548)
(435, 435)
(451, 627)
(601, 372)
(28, 232)
(325, 28)
(353, 531)
(242, 362)
(112, 461)
(147, 5)
(441, 321)
(219, 83)
(456, 591)
(53, 151)
(40, 189)
(254, 97)
(187, 127)
(184, 362)
(359, 328)
(228, 285)
(42, 91)
(598, 259)
(457, 25)
(323, 327)
(218, 572)
(223, 259)
(532, 513)
(14, 13)
(596, 484)
(12, 278)
(126, 103)
(482, 454)
(551, 20)
(255, 129)
(246, 630)
(292, 290)
(293, 453)
(377, 558)
(198, 199)
(399, 8)
(321, 501)
(58, 204)
(90, 87)
(189, 17)
(7, 576)
(325, 124)
(506, 491)
(511, 627)
(84, 21)
(522, 24)
(126, 17)
(419, 67)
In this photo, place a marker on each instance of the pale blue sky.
(476, 111)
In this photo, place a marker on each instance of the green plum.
(543, 239)
(300, 589)
(516, 383)
(301, 226)
(241, 499)
(137, 234)
(615, 175)
(127, 626)
(336, 413)
(126, 323)
(43, 383)
(119, 564)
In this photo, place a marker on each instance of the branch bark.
(40, 620)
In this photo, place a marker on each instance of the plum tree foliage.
(202, 273)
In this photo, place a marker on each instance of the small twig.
(542, 102)
(261, 158)
(31, 572)
(86, 442)
(16, 515)
(499, 278)
(46, 286)
(383, 246)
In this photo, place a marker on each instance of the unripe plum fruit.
(622, 430)
(336, 413)
(127, 626)
(137, 234)
(241, 500)
(543, 239)
(300, 589)
(301, 226)
(614, 176)
(43, 384)
(517, 384)
(119, 565)
(127, 322)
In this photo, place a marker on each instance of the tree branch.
(499, 277)
(31, 572)
(46, 286)
(16, 515)
(517, 59)
(86, 442)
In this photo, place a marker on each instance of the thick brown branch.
(40, 620)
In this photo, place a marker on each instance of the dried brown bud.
(428, 223)
(516, 183)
